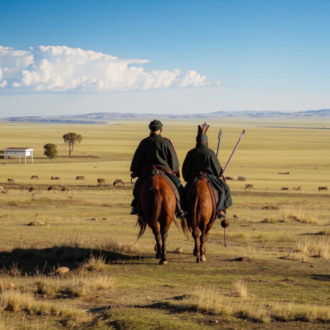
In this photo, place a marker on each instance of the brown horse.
(200, 216)
(156, 205)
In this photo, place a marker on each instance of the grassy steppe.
(274, 272)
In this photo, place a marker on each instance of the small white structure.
(18, 152)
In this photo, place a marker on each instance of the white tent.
(18, 152)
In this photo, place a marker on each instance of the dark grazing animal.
(323, 188)
(80, 177)
(119, 181)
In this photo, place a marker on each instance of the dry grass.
(16, 301)
(300, 215)
(310, 247)
(94, 264)
(211, 300)
(30, 252)
(77, 286)
(240, 288)
(269, 220)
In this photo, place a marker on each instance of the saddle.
(158, 170)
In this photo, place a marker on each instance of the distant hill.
(104, 117)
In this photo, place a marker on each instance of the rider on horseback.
(202, 159)
(157, 152)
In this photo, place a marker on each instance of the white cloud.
(61, 68)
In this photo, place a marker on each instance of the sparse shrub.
(77, 286)
(240, 288)
(95, 264)
(16, 301)
(310, 247)
(14, 270)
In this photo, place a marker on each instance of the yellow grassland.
(274, 270)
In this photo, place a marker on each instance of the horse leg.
(163, 260)
(203, 240)
(158, 245)
(195, 235)
(202, 247)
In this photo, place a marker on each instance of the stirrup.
(181, 214)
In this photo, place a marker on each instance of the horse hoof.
(203, 258)
(195, 253)
(163, 262)
(197, 259)
(157, 256)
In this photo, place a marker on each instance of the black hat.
(201, 135)
(155, 125)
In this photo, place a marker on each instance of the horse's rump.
(200, 201)
(200, 206)
(156, 202)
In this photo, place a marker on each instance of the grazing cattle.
(53, 188)
(296, 188)
(241, 178)
(283, 172)
(323, 188)
(11, 180)
(285, 188)
(249, 186)
(100, 181)
(80, 177)
(229, 178)
(118, 181)
(55, 178)
(34, 177)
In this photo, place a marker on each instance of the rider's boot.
(179, 212)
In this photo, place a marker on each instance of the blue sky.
(71, 57)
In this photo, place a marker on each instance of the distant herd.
(101, 181)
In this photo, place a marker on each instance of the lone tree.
(50, 150)
(72, 139)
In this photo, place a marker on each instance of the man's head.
(201, 137)
(155, 126)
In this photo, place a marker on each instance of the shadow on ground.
(30, 261)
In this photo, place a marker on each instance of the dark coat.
(154, 150)
(199, 159)
(204, 159)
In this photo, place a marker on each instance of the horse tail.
(184, 226)
(195, 216)
(142, 224)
